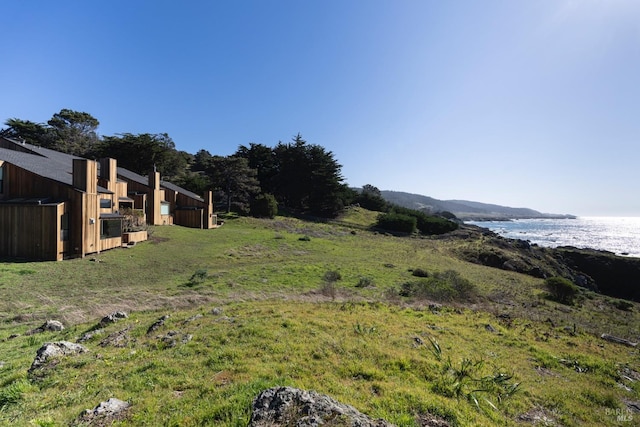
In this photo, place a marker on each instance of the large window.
(110, 228)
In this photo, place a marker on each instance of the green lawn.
(508, 356)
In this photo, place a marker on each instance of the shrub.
(397, 222)
(447, 286)
(623, 305)
(332, 276)
(561, 290)
(425, 223)
(364, 282)
(418, 272)
(198, 277)
(372, 202)
(264, 206)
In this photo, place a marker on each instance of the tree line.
(301, 177)
(296, 176)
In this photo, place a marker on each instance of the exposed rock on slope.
(287, 406)
(599, 271)
(51, 351)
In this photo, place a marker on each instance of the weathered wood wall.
(31, 231)
(193, 218)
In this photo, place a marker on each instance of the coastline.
(616, 235)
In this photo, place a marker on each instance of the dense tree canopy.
(143, 152)
(68, 131)
(73, 132)
(234, 181)
(371, 198)
(304, 178)
(30, 132)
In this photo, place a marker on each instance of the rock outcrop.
(51, 352)
(287, 406)
(599, 271)
(113, 317)
(105, 414)
(48, 326)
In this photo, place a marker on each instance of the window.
(1, 181)
(64, 227)
(164, 209)
(110, 228)
(105, 204)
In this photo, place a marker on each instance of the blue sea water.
(620, 235)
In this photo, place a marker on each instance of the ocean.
(620, 235)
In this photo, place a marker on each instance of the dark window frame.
(110, 228)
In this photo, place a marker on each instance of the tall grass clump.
(198, 277)
(328, 287)
(441, 286)
(561, 290)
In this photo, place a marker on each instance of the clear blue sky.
(531, 103)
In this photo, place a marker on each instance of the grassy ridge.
(509, 356)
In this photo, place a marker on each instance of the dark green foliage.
(263, 160)
(196, 182)
(304, 178)
(370, 198)
(364, 282)
(446, 286)
(30, 132)
(332, 276)
(234, 181)
(68, 131)
(447, 215)
(198, 277)
(425, 223)
(397, 222)
(143, 153)
(623, 305)
(561, 290)
(74, 132)
(264, 206)
(418, 272)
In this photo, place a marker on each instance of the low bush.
(561, 290)
(364, 282)
(397, 222)
(425, 223)
(418, 272)
(264, 206)
(332, 276)
(623, 305)
(446, 286)
(198, 277)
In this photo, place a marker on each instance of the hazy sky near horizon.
(532, 103)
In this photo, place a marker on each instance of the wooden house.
(54, 205)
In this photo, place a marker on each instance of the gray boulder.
(113, 317)
(106, 413)
(157, 324)
(54, 350)
(48, 326)
(287, 406)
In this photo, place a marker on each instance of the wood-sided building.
(165, 203)
(54, 205)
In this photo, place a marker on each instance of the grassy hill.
(328, 307)
(465, 209)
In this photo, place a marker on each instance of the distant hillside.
(464, 209)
